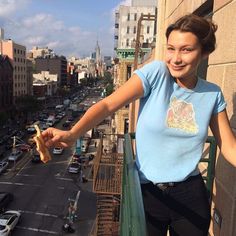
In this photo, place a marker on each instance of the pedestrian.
(176, 108)
(71, 212)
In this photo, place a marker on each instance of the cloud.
(43, 29)
(43, 22)
(8, 7)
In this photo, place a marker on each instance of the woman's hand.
(57, 137)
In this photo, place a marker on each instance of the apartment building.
(127, 32)
(126, 24)
(17, 55)
(55, 65)
(6, 84)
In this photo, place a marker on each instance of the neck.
(186, 83)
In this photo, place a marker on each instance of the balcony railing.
(132, 217)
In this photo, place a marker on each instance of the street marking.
(67, 179)
(26, 175)
(20, 184)
(38, 230)
(39, 213)
(61, 188)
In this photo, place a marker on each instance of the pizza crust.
(41, 147)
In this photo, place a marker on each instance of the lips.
(177, 68)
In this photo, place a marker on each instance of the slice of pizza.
(40, 146)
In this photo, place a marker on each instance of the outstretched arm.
(224, 135)
(127, 93)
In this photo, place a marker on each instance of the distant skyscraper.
(98, 53)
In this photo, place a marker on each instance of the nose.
(177, 57)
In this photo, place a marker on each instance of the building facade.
(126, 26)
(220, 68)
(6, 84)
(54, 65)
(17, 56)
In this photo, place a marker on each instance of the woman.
(176, 109)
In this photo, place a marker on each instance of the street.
(42, 193)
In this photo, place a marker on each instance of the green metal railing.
(132, 217)
(210, 160)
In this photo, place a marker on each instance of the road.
(42, 193)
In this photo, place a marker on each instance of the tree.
(27, 104)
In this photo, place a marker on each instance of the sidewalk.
(82, 223)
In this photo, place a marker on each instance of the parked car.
(15, 155)
(5, 199)
(35, 156)
(66, 124)
(8, 221)
(3, 166)
(58, 150)
(74, 167)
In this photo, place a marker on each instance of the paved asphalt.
(42, 193)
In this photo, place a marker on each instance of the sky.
(69, 28)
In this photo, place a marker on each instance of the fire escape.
(107, 175)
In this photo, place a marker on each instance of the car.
(74, 167)
(35, 156)
(3, 166)
(8, 221)
(57, 150)
(66, 123)
(15, 155)
(5, 199)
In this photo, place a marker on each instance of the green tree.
(3, 118)
(27, 104)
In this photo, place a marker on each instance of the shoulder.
(152, 69)
(209, 86)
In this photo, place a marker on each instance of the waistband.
(164, 186)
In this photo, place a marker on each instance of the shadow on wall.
(223, 214)
(233, 117)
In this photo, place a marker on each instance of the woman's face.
(183, 54)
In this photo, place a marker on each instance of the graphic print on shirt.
(181, 115)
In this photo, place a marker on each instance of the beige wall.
(222, 71)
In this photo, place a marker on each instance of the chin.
(177, 74)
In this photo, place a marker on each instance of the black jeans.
(184, 209)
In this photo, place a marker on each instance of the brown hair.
(203, 28)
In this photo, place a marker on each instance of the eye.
(187, 50)
(170, 48)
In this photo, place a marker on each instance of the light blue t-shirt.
(172, 124)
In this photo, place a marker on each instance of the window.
(127, 42)
(129, 69)
(116, 25)
(134, 31)
(128, 17)
(148, 29)
(116, 36)
(127, 30)
(135, 16)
